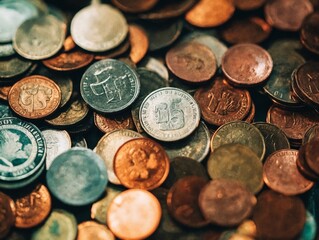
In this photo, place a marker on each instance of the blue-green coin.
(77, 177)
(22, 149)
(310, 228)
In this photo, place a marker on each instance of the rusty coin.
(247, 5)
(138, 41)
(92, 230)
(303, 166)
(134, 6)
(309, 33)
(7, 214)
(312, 155)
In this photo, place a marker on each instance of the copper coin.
(312, 155)
(247, 64)
(182, 201)
(141, 163)
(192, 62)
(68, 44)
(280, 173)
(312, 132)
(247, 5)
(251, 115)
(33, 208)
(207, 13)
(134, 6)
(7, 214)
(287, 14)
(303, 166)
(92, 230)
(134, 214)
(34, 97)
(68, 61)
(138, 41)
(4, 92)
(278, 217)
(226, 202)
(221, 103)
(246, 30)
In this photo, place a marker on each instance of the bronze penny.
(280, 173)
(221, 103)
(134, 6)
(141, 163)
(68, 61)
(247, 30)
(139, 43)
(34, 97)
(312, 132)
(192, 62)
(207, 13)
(4, 92)
(7, 216)
(278, 217)
(303, 166)
(309, 33)
(33, 208)
(226, 202)
(182, 201)
(312, 155)
(247, 64)
(287, 14)
(92, 230)
(247, 5)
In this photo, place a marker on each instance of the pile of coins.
(159, 119)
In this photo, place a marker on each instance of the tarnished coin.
(134, 214)
(92, 230)
(138, 41)
(237, 162)
(22, 149)
(7, 217)
(70, 184)
(247, 5)
(280, 173)
(169, 114)
(247, 64)
(6, 50)
(192, 62)
(136, 7)
(91, 31)
(13, 66)
(39, 38)
(311, 133)
(141, 163)
(109, 86)
(34, 97)
(60, 225)
(182, 201)
(309, 32)
(221, 103)
(226, 202)
(240, 132)
(33, 208)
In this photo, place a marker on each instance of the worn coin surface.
(93, 230)
(13, 66)
(7, 217)
(109, 86)
(169, 114)
(309, 32)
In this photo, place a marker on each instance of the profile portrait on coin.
(12, 151)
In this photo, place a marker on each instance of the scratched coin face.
(109, 86)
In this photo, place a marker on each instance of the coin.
(139, 43)
(7, 217)
(134, 214)
(247, 5)
(155, 65)
(93, 230)
(251, 115)
(310, 228)
(78, 141)
(247, 64)
(33, 208)
(70, 184)
(141, 163)
(22, 149)
(5, 110)
(169, 114)
(312, 132)
(303, 166)
(68, 44)
(109, 86)
(4, 92)
(6, 50)
(309, 33)
(226, 202)
(221, 103)
(136, 7)
(247, 228)
(116, 52)
(13, 66)
(311, 155)
(237, 162)
(192, 62)
(88, 28)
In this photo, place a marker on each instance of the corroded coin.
(280, 173)
(226, 202)
(22, 149)
(138, 41)
(247, 5)
(192, 62)
(237, 162)
(221, 103)
(109, 86)
(91, 31)
(134, 214)
(141, 163)
(93, 230)
(247, 64)
(70, 184)
(13, 67)
(136, 7)
(309, 32)
(7, 217)
(33, 208)
(39, 38)
(169, 114)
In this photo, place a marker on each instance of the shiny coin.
(39, 38)
(141, 163)
(70, 184)
(7, 217)
(22, 149)
(34, 97)
(109, 86)
(92, 230)
(226, 202)
(169, 114)
(139, 43)
(13, 67)
(309, 33)
(134, 214)
(98, 27)
(6, 50)
(137, 6)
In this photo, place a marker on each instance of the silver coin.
(155, 65)
(6, 50)
(98, 28)
(169, 114)
(109, 86)
(39, 38)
